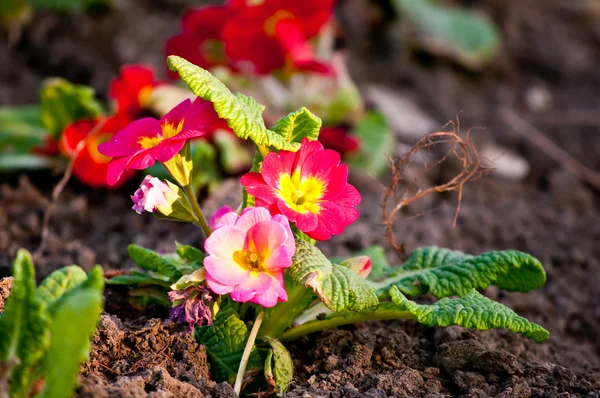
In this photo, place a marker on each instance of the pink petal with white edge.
(266, 237)
(223, 242)
(280, 258)
(276, 293)
(252, 217)
(258, 282)
(126, 141)
(217, 287)
(225, 271)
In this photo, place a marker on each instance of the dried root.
(398, 194)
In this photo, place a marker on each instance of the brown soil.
(551, 214)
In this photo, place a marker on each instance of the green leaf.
(74, 322)
(444, 272)
(58, 283)
(225, 340)
(63, 102)
(128, 280)
(298, 125)
(338, 287)
(28, 162)
(279, 367)
(24, 328)
(377, 143)
(152, 261)
(472, 39)
(470, 311)
(243, 114)
(21, 128)
(190, 253)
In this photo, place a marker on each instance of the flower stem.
(246, 355)
(343, 318)
(197, 211)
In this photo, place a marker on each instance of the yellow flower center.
(271, 23)
(145, 96)
(249, 261)
(168, 130)
(301, 194)
(93, 142)
(149, 142)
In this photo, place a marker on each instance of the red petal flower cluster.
(131, 90)
(91, 166)
(256, 37)
(309, 187)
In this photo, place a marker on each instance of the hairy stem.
(197, 211)
(246, 355)
(343, 318)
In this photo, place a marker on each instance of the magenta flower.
(310, 187)
(191, 307)
(221, 211)
(143, 142)
(153, 194)
(247, 255)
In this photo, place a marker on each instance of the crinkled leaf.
(472, 39)
(298, 125)
(444, 272)
(225, 340)
(279, 367)
(243, 114)
(24, 328)
(74, 322)
(152, 261)
(58, 283)
(21, 128)
(377, 143)
(338, 287)
(63, 102)
(470, 311)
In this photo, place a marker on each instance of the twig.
(537, 138)
(460, 149)
(61, 186)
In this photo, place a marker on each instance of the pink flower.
(153, 194)
(221, 211)
(309, 187)
(147, 140)
(247, 255)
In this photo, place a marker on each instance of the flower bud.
(164, 199)
(360, 264)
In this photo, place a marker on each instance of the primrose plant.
(260, 279)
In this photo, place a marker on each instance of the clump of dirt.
(134, 358)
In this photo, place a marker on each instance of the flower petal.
(126, 142)
(217, 287)
(256, 186)
(257, 282)
(279, 258)
(175, 115)
(331, 222)
(304, 221)
(115, 169)
(272, 169)
(224, 241)
(225, 270)
(251, 218)
(266, 237)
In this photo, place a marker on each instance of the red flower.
(309, 187)
(273, 33)
(90, 166)
(48, 148)
(339, 139)
(132, 89)
(200, 41)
